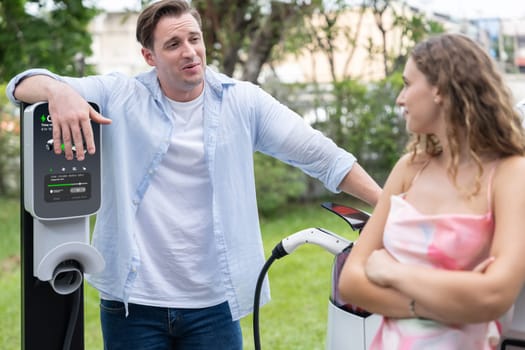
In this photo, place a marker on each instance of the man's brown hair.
(151, 15)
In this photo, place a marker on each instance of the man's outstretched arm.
(360, 184)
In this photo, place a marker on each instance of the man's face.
(179, 55)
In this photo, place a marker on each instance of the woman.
(441, 256)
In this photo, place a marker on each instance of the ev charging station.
(348, 327)
(57, 198)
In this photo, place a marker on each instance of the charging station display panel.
(60, 188)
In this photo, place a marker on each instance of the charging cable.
(318, 236)
(70, 278)
(73, 317)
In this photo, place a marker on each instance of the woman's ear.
(437, 96)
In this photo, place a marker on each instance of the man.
(178, 226)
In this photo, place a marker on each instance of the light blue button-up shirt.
(239, 119)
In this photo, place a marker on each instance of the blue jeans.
(159, 328)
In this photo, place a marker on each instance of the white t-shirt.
(174, 223)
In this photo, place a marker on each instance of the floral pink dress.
(444, 241)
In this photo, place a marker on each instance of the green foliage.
(240, 35)
(10, 148)
(365, 121)
(276, 183)
(10, 273)
(10, 306)
(44, 33)
(413, 29)
(376, 131)
(10, 228)
(360, 117)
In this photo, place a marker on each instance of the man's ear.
(148, 56)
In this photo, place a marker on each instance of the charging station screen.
(67, 187)
(62, 188)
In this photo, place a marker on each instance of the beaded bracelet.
(412, 308)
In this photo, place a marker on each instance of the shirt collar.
(216, 82)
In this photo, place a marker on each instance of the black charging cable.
(73, 317)
(277, 253)
(319, 236)
(75, 310)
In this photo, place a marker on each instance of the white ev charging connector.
(318, 236)
(60, 195)
(348, 327)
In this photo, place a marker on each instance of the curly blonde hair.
(478, 105)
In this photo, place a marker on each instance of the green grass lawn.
(300, 283)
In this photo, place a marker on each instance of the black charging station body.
(56, 192)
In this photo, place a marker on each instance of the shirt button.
(135, 202)
(133, 269)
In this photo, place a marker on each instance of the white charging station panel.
(348, 331)
(57, 188)
(60, 194)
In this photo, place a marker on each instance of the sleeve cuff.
(11, 86)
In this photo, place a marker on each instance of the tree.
(10, 146)
(360, 116)
(44, 33)
(37, 33)
(240, 35)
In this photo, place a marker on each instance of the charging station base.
(347, 331)
(45, 314)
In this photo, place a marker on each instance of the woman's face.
(420, 101)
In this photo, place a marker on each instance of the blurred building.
(116, 49)
(516, 29)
